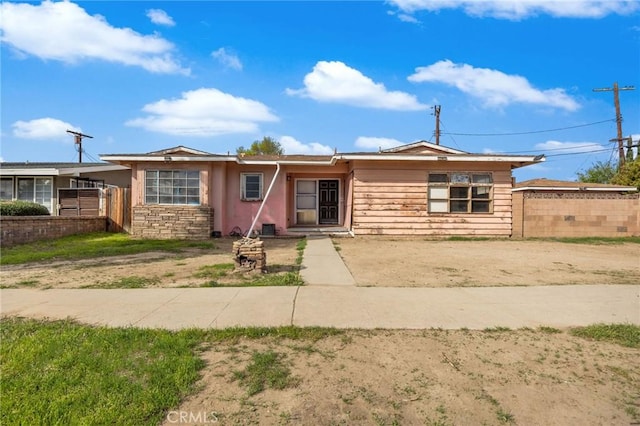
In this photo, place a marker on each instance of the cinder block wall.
(168, 222)
(26, 229)
(575, 215)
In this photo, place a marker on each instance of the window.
(172, 187)
(460, 192)
(6, 189)
(36, 190)
(251, 186)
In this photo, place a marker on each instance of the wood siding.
(393, 201)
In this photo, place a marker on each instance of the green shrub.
(22, 208)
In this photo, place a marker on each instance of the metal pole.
(264, 200)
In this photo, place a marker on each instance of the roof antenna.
(78, 139)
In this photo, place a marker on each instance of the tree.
(266, 146)
(599, 172)
(629, 174)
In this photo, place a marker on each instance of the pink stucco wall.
(242, 213)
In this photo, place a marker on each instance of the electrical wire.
(529, 132)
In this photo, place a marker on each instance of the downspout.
(264, 200)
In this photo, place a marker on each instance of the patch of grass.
(288, 332)
(623, 334)
(214, 271)
(286, 279)
(548, 330)
(300, 246)
(505, 416)
(28, 283)
(65, 373)
(496, 329)
(127, 282)
(266, 369)
(461, 238)
(92, 245)
(597, 240)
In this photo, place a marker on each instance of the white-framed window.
(172, 187)
(37, 190)
(251, 186)
(6, 188)
(460, 192)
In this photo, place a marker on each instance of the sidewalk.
(333, 306)
(331, 299)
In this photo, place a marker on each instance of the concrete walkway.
(322, 265)
(330, 299)
(333, 306)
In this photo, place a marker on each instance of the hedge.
(22, 208)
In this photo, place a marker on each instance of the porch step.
(332, 231)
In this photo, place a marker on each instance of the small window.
(251, 186)
(6, 189)
(438, 178)
(460, 192)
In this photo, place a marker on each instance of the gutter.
(264, 200)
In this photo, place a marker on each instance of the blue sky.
(317, 76)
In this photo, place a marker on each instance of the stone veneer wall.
(168, 222)
(26, 229)
(582, 214)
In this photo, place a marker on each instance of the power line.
(530, 132)
(555, 149)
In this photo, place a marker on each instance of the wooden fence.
(118, 211)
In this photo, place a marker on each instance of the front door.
(328, 202)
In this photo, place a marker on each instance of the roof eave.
(128, 159)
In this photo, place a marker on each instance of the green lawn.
(92, 245)
(66, 373)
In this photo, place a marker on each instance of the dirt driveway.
(389, 262)
(373, 261)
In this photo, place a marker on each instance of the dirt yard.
(431, 377)
(388, 262)
(373, 261)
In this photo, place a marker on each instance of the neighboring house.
(41, 182)
(553, 208)
(415, 189)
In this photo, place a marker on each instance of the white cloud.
(204, 112)
(368, 142)
(44, 129)
(293, 146)
(228, 59)
(160, 17)
(63, 31)
(494, 87)
(338, 83)
(522, 9)
(404, 17)
(569, 147)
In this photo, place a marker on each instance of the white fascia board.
(164, 159)
(29, 172)
(106, 168)
(576, 189)
(287, 163)
(457, 158)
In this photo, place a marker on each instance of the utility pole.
(78, 139)
(616, 101)
(436, 112)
